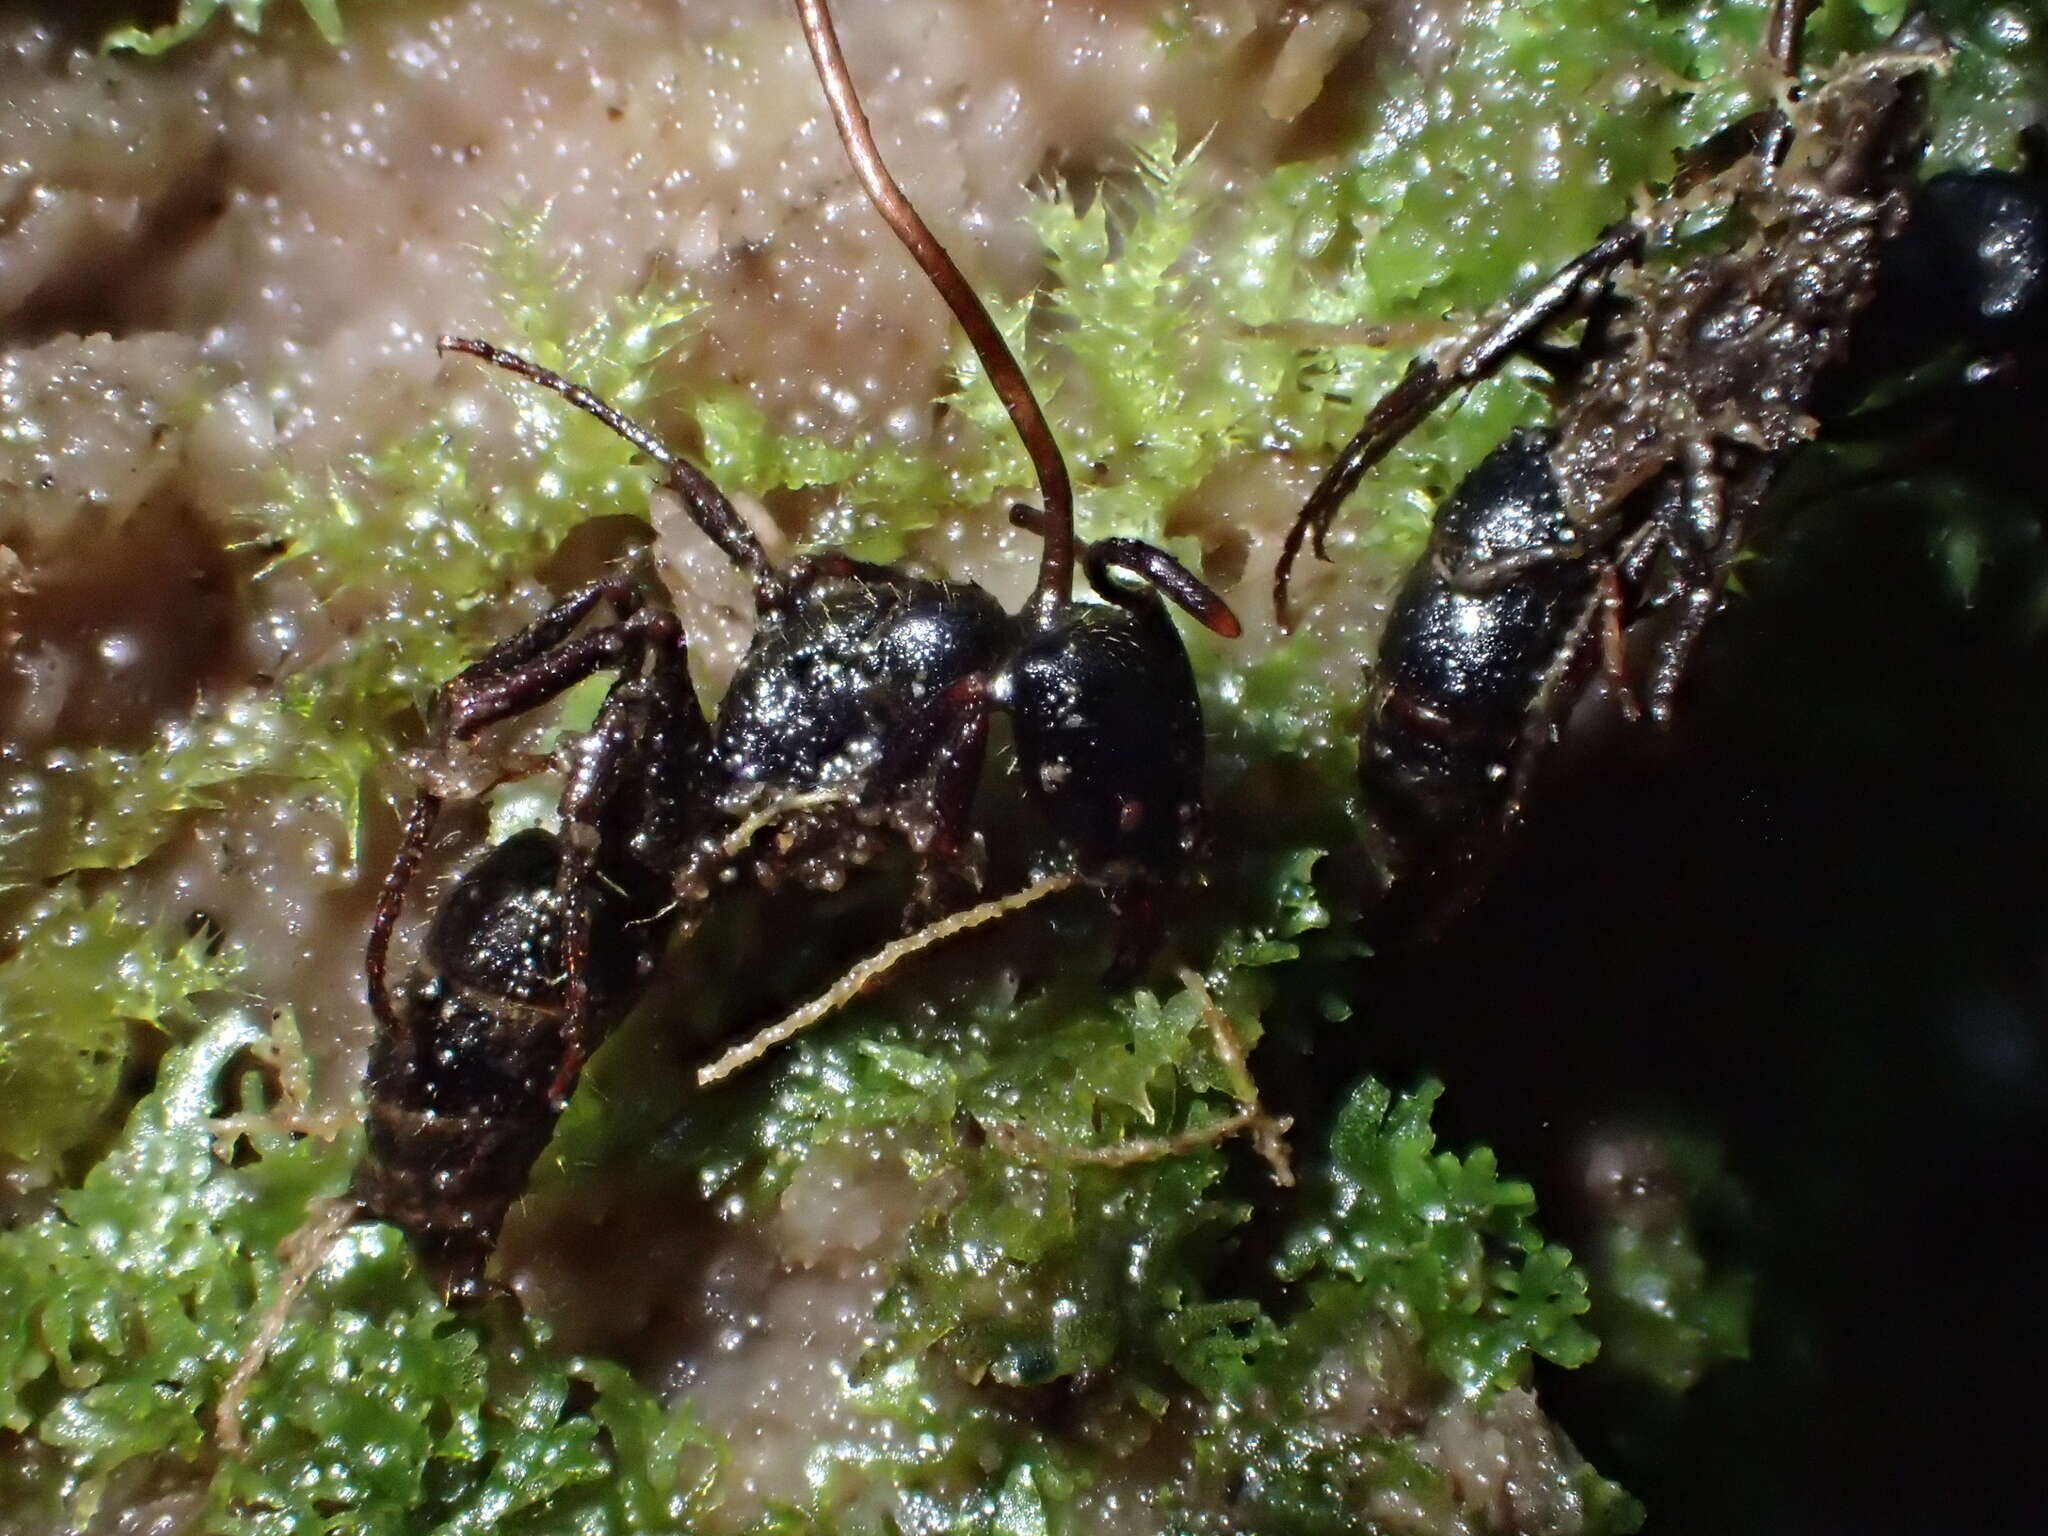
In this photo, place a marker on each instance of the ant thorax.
(843, 681)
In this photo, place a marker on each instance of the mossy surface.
(195, 16)
(1158, 1294)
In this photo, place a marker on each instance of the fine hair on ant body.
(1682, 396)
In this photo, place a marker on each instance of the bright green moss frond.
(1415, 1276)
(123, 1311)
(194, 15)
(1442, 1243)
(1993, 88)
(416, 517)
(442, 546)
(111, 809)
(1033, 1262)
(78, 976)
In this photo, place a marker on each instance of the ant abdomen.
(1467, 667)
(460, 1093)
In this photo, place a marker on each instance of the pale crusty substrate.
(275, 230)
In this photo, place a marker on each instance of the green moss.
(79, 976)
(110, 809)
(194, 16)
(1440, 1242)
(1664, 1312)
(404, 537)
(1178, 332)
(123, 1311)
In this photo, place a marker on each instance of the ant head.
(1108, 729)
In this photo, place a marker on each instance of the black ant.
(1684, 394)
(860, 713)
(541, 946)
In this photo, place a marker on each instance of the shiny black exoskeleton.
(841, 727)
(1109, 736)
(1466, 671)
(859, 715)
(861, 712)
(844, 667)
(542, 946)
(463, 1097)
(1685, 393)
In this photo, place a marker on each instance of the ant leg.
(1726, 149)
(2034, 150)
(1698, 601)
(1614, 646)
(412, 847)
(705, 502)
(1784, 32)
(676, 749)
(554, 626)
(1551, 693)
(1397, 413)
(1426, 385)
(472, 704)
(602, 757)
(1491, 575)
(1700, 580)
(1697, 530)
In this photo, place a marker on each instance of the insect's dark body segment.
(862, 710)
(860, 716)
(1463, 672)
(872, 692)
(1691, 386)
(828, 706)
(1109, 737)
(541, 946)
(459, 1099)
(838, 673)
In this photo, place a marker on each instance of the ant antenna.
(1056, 565)
(705, 502)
